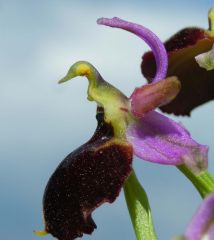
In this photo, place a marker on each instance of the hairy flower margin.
(95, 172)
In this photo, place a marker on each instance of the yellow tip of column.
(83, 69)
(40, 233)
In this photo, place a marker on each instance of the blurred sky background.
(41, 121)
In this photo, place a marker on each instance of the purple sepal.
(149, 37)
(158, 139)
(202, 223)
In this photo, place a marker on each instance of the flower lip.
(88, 177)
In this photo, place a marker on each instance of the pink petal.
(150, 96)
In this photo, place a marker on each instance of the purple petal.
(158, 139)
(148, 36)
(211, 231)
(202, 223)
(150, 96)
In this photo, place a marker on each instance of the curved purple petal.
(158, 139)
(202, 223)
(149, 37)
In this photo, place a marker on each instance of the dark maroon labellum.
(196, 83)
(85, 179)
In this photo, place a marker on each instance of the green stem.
(139, 209)
(203, 182)
(211, 19)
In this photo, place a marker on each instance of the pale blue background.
(41, 121)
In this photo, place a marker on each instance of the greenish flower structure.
(206, 60)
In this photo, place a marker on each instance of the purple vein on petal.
(149, 37)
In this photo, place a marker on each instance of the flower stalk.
(203, 181)
(211, 19)
(139, 209)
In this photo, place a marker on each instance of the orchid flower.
(95, 172)
(197, 83)
(201, 226)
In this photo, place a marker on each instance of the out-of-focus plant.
(201, 227)
(206, 60)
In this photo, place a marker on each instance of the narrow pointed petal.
(88, 177)
(202, 224)
(150, 96)
(149, 37)
(158, 139)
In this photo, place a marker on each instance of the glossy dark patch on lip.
(85, 179)
(196, 83)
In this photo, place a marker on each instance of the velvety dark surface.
(86, 178)
(197, 85)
